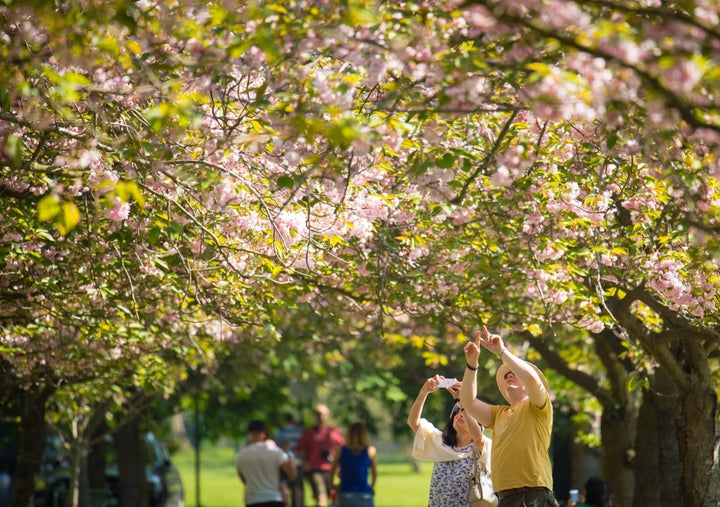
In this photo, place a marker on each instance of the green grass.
(398, 484)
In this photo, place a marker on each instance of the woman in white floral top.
(450, 449)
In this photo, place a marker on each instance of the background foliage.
(334, 188)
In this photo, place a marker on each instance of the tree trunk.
(656, 461)
(697, 411)
(619, 420)
(179, 432)
(618, 424)
(617, 427)
(130, 450)
(84, 492)
(714, 491)
(79, 496)
(97, 462)
(30, 447)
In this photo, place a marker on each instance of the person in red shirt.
(316, 448)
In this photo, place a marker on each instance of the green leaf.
(14, 147)
(447, 161)
(174, 230)
(343, 132)
(127, 189)
(154, 234)
(109, 45)
(71, 217)
(48, 208)
(636, 382)
(286, 182)
(157, 116)
(611, 140)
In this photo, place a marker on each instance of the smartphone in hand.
(447, 382)
(574, 495)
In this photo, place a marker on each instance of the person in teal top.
(597, 494)
(356, 465)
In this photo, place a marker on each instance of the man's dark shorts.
(536, 498)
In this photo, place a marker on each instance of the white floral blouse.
(449, 481)
(452, 466)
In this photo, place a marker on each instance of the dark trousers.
(296, 490)
(537, 498)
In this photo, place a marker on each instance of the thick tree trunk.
(656, 461)
(714, 492)
(617, 427)
(619, 420)
(32, 441)
(696, 415)
(130, 450)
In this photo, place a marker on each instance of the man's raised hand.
(491, 342)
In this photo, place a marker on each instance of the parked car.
(165, 488)
(5, 489)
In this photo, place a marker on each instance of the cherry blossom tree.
(177, 175)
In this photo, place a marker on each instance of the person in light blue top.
(287, 439)
(356, 465)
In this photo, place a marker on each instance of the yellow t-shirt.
(521, 439)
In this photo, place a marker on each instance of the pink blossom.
(119, 211)
(224, 192)
(683, 76)
(102, 180)
(502, 177)
(558, 296)
(707, 13)
(563, 15)
(304, 262)
(479, 17)
(196, 246)
(592, 323)
(417, 253)
(698, 311)
(550, 252)
(89, 158)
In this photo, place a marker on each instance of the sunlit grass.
(399, 485)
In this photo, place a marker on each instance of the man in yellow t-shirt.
(521, 469)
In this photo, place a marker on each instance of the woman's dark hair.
(598, 493)
(449, 434)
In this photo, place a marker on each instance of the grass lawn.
(398, 484)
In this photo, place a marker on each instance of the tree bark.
(656, 461)
(617, 426)
(714, 492)
(695, 418)
(130, 450)
(31, 444)
(619, 414)
(679, 350)
(618, 421)
(97, 459)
